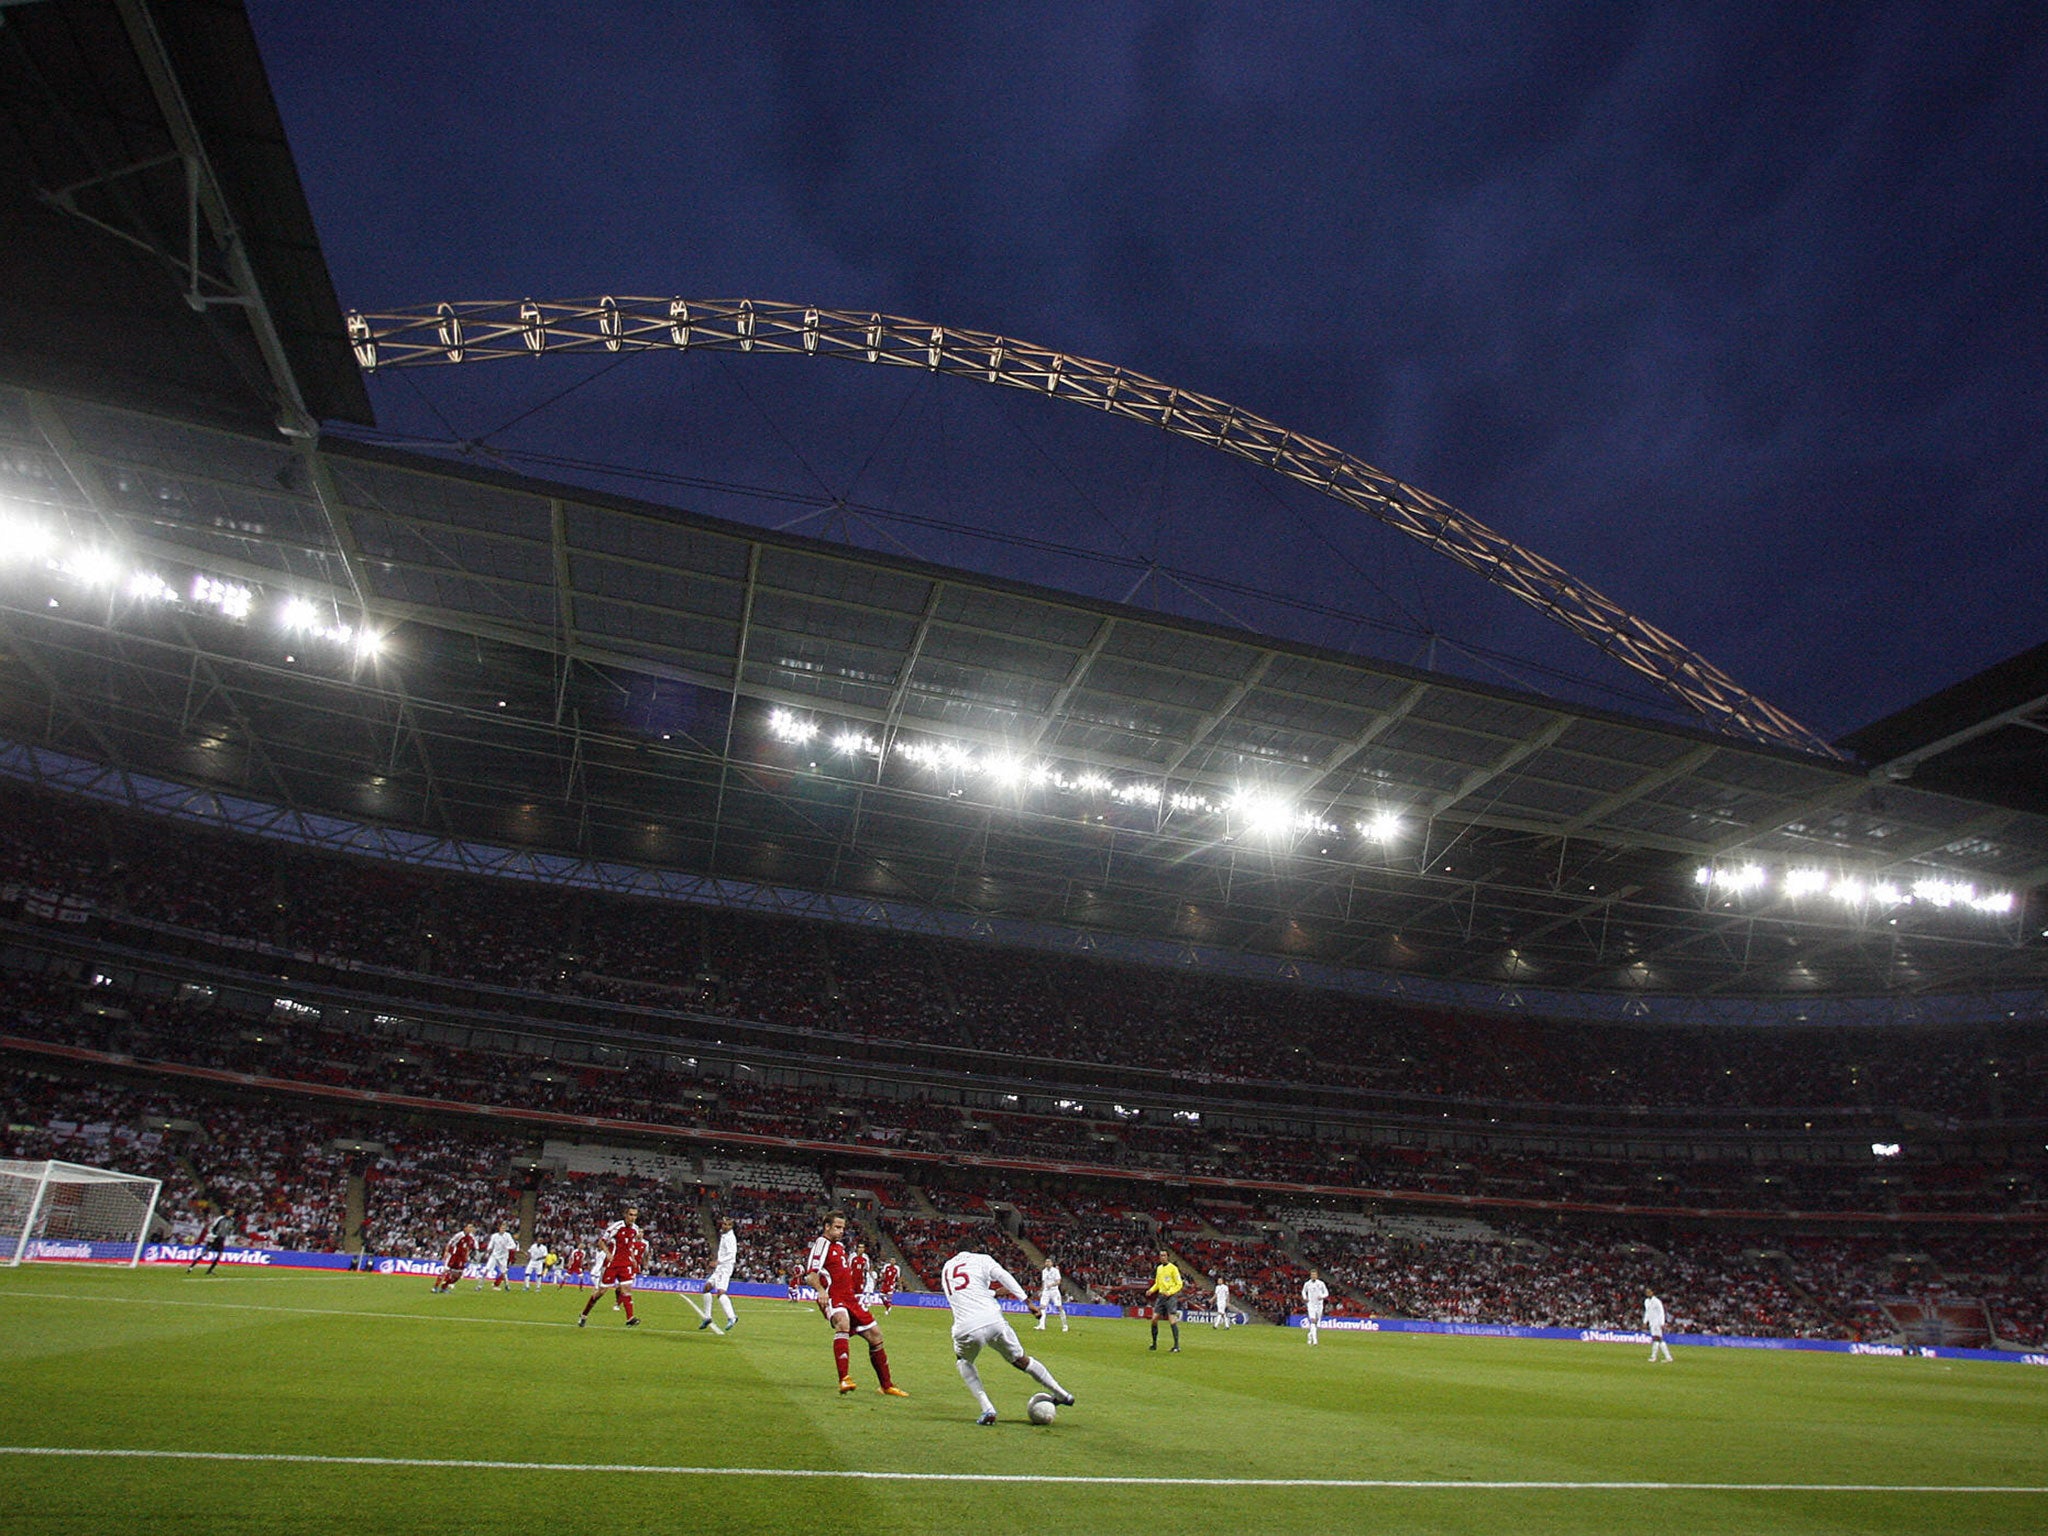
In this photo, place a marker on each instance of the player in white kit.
(1313, 1294)
(970, 1281)
(498, 1259)
(536, 1263)
(721, 1277)
(1653, 1324)
(1222, 1318)
(1051, 1298)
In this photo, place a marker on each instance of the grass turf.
(327, 1365)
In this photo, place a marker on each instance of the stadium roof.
(1985, 738)
(188, 593)
(560, 670)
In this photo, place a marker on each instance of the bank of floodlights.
(1251, 814)
(26, 542)
(1855, 892)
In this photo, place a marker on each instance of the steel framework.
(476, 332)
(144, 793)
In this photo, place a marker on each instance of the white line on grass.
(850, 1474)
(264, 1306)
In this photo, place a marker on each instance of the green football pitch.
(286, 1402)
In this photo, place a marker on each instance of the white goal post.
(58, 1210)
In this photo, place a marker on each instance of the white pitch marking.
(850, 1474)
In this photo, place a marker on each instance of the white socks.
(1037, 1372)
(972, 1377)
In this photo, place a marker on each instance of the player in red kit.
(573, 1268)
(625, 1250)
(830, 1273)
(461, 1249)
(887, 1286)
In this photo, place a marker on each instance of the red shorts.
(616, 1276)
(857, 1314)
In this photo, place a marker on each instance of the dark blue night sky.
(1737, 312)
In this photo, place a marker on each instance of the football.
(1041, 1408)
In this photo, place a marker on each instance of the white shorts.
(721, 1279)
(1315, 1311)
(494, 1267)
(998, 1335)
(1051, 1300)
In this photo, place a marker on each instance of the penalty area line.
(1545, 1485)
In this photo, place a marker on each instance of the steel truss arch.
(450, 333)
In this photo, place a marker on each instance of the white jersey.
(537, 1255)
(1314, 1293)
(728, 1253)
(970, 1281)
(502, 1245)
(1653, 1315)
(1222, 1295)
(1049, 1280)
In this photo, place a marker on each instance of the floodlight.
(24, 540)
(299, 614)
(787, 726)
(1383, 828)
(151, 587)
(231, 600)
(1265, 815)
(1006, 769)
(94, 567)
(1805, 882)
(1884, 1149)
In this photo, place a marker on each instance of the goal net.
(55, 1210)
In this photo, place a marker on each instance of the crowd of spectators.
(289, 1173)
(928, 1241)
(300, 1046)
(572, 1210)
(775, 1228)
(428, 1182)
(107, 868)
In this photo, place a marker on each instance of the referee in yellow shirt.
(1165, 1293)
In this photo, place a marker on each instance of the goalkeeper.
(218, 1231)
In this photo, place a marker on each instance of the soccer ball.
(1041, 1409)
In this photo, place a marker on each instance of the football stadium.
(467, 933)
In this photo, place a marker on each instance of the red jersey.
(828, 1258)
(890, 1275)
(575, 1261)
(460, 1251)
(858, 1265)
(626, 1249)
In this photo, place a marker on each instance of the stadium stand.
(193, 956)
